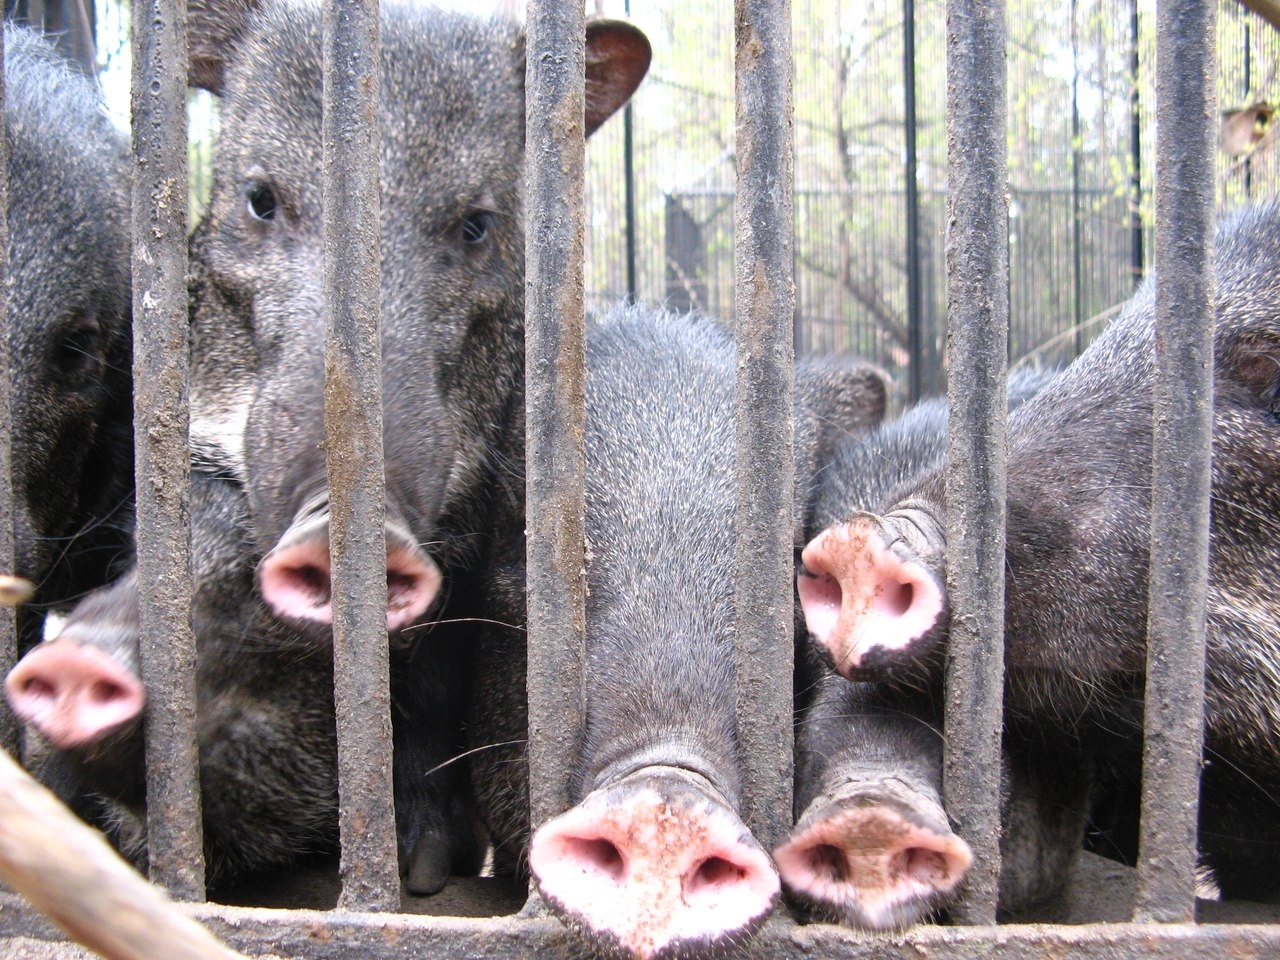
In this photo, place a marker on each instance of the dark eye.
(79, 348)
(476, 226)
(261, 202)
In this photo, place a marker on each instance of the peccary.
(1079, 467)
(266, 728)
(866, 472)
(70, 344)
(872, 846)
(452, 122)
(268, 769)
(453, 111)
(652, 859)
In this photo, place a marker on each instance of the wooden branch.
(69, 872)
(15, 590)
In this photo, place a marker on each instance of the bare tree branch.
(67, 870)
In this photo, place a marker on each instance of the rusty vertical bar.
(554, 361)
(354, 455)
(1186, 107)
(911, 196)
(977, 338)
(161, 464)
(763, 566)
(8, 614)
(1133, 191)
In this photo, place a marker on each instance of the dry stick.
(69, 872)
(15, 590)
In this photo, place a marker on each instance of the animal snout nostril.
(602, 856)
(713, 872)
(38, 687)
(296, 581)
(315, 581)
(923, 864)
(413, 580)
(407, 588)
(829, 862)
(897, 600)
(104, 691)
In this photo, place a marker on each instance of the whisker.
(467, 753)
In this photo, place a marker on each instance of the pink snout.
(859, 595)
(74, 694)
(654, 865)
(296, 576)
(882, 859)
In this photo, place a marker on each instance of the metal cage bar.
(162, 465)
(977, 338)
(763, 565)
(555, 353)
(353, 429)
(1186, 139)
(911, 202)
(8, 616)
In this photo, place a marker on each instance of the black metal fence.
(981, 259)
(870, 121)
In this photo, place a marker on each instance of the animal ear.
(1254, 363)
(618, 57)
(854, 396)
(212, 28)
(865, 396)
